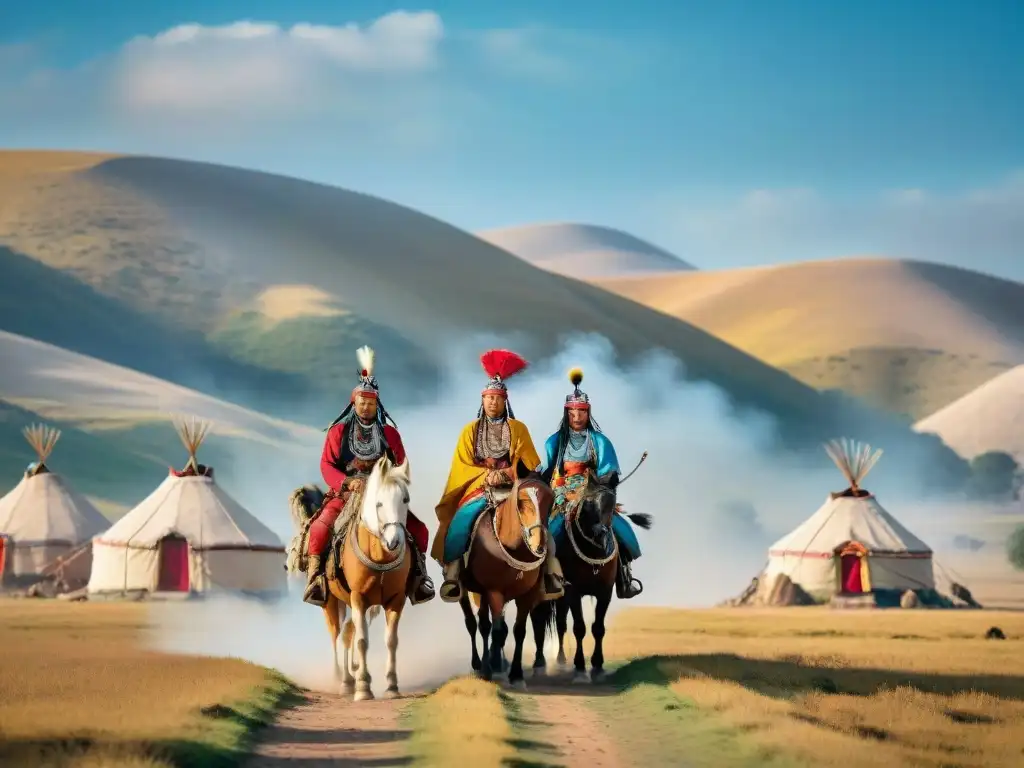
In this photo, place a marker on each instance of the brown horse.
(372, 574)
(505, 564)
(590, 564)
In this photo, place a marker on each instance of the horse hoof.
(365, 695)
(517, 685)
(562, 662)
(580, 678)
(347, 689)
(539, 672)
(392, 693)
(598, 676)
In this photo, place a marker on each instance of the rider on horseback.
(490, 450)
(355, 441)
(578, 450)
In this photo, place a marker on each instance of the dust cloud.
(717, 490)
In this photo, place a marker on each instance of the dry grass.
(475, 726)
(76, 687)
(287, 302)
(845, 688)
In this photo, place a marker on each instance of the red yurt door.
(851, 565)
(173, 565)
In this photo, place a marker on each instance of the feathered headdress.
(499, 365)
(578, 398)
(366, 387)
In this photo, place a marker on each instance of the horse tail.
(301, 508)
(641, 520)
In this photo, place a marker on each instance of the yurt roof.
(853, 515)
(194, 507)
(43, 507)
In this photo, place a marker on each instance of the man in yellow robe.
(489, 450)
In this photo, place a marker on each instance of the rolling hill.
(989, 418)
(118, 438)
(906, 336)
(192, 249)
(583, 251)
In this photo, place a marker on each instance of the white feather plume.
(366, 356)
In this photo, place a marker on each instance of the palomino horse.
(372, 574)
(589, 563)
(505, 564)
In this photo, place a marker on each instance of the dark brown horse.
(506, 564)
(590, 563)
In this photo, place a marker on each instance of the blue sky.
(731, 133)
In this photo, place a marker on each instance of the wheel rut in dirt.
(333, 730)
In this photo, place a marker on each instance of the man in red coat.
(355, 442)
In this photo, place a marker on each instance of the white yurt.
(43, 519)
(852, 546)
(188, 537)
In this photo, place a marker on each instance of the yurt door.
(173, 565)
(851, 564)
(3, 556)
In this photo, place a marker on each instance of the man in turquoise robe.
(576, 451)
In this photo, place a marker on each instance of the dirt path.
(331, 730)
(573, 729)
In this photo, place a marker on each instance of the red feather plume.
(502, 362)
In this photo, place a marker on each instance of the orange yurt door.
(174, 576)
(851, 575)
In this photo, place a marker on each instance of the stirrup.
(315, 588)
(451, 591)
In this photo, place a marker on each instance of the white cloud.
(263, 67)
(982, 227)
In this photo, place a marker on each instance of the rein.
(573, 523)
(523, 566)
(365, 559)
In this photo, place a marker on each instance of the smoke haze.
(717, 490)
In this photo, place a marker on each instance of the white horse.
(373, 574)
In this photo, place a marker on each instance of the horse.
(368, 574)
(590, 564)
(505, 564)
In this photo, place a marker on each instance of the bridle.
(523, 566)
(573, 524)
(403, 546)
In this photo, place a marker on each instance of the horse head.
(598, 507)
(533, 506)
(385, 505)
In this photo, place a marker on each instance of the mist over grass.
(716, 481)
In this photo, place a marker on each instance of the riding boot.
(554, 580)
(451, 587)
(421, 588)
(626, 587)
(316, 586)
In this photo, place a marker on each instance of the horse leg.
(470, 619)
(579, 631)
(335, 620)
(393, 617)
(499, 629)
(540, 617)
(348, 659)
(515, 671)
(363, 691)
(484, 622)
(597, 630)
(562, 625)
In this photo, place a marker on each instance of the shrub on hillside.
(1015, 548)
(994, 475)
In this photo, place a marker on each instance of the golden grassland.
(849, 688)
(78, 688)
(475, 725)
